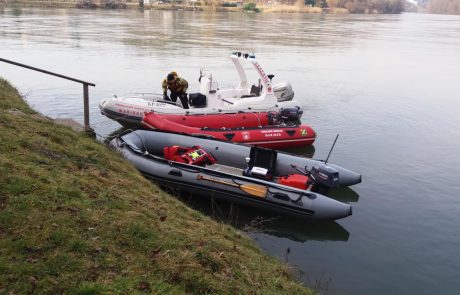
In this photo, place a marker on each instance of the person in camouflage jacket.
(177, 86)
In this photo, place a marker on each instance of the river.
(388, 84)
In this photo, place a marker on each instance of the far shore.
(281, 8)
(260, 8)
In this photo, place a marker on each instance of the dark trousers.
(183, 98)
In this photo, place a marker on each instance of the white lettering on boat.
(263, 75)
(272, 133)
(129, 109)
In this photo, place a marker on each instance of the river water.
(388, 84)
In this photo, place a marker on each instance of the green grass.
(76, 218)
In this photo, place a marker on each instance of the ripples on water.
(387, 83)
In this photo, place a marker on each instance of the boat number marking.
(303, 132)
(156, 104)
(131, 109)
(246, 135)
(272, 133)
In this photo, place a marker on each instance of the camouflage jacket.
(179, 85)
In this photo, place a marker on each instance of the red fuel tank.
(295, 180)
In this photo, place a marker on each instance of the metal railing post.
(86, 107)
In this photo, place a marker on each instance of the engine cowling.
(283, 91)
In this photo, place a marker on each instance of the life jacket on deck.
(189, 155)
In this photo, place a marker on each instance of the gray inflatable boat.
(236, 176)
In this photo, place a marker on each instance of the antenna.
(325, 162)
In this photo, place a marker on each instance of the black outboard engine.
(289, 114)
(324, 177)
(274, 118)
(285, 115)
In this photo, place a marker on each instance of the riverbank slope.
(76, 218)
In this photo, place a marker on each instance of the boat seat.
(255, 91)
(225, 169)
(198, 100)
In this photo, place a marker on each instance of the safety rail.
(86, 126)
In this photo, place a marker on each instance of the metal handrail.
(85, 88)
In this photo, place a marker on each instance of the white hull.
(131, 109)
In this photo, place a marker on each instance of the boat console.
(261, 164)
(244, 92)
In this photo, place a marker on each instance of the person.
(178, 87)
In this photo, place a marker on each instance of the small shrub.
(251, 6)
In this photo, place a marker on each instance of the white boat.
(244, 97)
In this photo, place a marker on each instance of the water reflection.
(344, 194)
(252, 220)
(304, 151)
(171, 32)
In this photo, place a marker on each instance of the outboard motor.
(283, 91)
(324, 177)
(285, 115)
(291, 113)
(274, 118)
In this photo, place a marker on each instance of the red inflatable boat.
(227, 120)
(272, 136)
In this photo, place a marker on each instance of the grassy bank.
(76, 218)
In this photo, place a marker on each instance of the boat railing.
(85, 84)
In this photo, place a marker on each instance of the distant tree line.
(444, 6)
(363, 6)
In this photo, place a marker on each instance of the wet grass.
(75, 218)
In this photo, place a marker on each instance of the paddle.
(253, 189)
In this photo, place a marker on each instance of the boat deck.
(226, 169)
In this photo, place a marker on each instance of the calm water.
(389, 85)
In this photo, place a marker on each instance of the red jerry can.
(295, 180)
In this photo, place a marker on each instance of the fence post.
(86, 106)
(87, 128)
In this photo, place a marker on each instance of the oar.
(253, 189)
